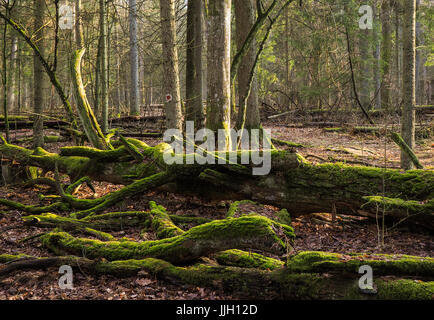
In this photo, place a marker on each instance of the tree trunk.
(377, 58)
(219, 67)
(171, 85)
(78, 25)
(409, 78)
(365, 94)
(12, 73)
(134, 60)
(386, 54)
(87, 117)
(245, 19)
(194, 103)
(40, 80)
(104, 65)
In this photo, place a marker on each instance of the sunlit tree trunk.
(134, 60)
(78, 25)
(40, 84)
(219, 65)
(171, 86)
(104, 65)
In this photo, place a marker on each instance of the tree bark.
(386, 54)
(104, 65)
(40, 80)
(171, 86)
(245, 19)
(219, 67)
(134, 60)
(409, 78)
(194, 104)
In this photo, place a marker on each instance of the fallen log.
(293, 183)
(283, 282)
(243, 233)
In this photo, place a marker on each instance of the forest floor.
(314, 232)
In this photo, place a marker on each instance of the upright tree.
(377, 57)
(134, 60)
(409, 78)
(171, 84)
(245, 18)
(104, 64)
(78, 25)
(219, 66)
(194, 67)
(386, 53)
(40, 83)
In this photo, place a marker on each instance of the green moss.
(410, 206)
(161, 222)
(405, 290)
(311, 261)
(243, 259)
(7, 258)
(234, 209)
(242, 233)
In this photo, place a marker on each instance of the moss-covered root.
(243, 233)
(33, 209)
(113, 221)
(161, 222)
(134, 188)
(243, 259)
(382, 264)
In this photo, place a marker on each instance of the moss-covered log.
(293, 183)
(243, 233)
(247, 282)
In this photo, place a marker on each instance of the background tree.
(218, 114)
(409, 78)
(171, 85)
